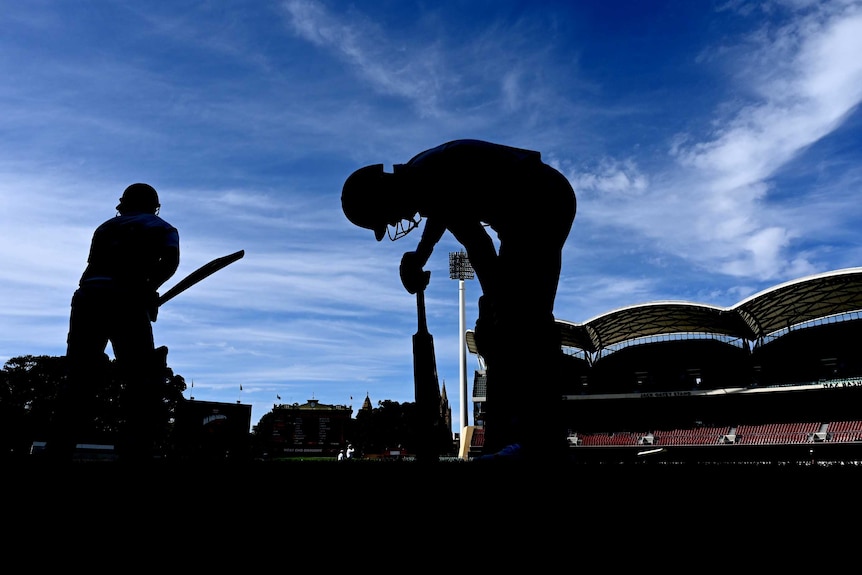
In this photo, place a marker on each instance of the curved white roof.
(776, 308)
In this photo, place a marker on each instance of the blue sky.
(714, 147)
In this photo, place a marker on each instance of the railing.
(744, 434)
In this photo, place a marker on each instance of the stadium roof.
(780, 307)
(654, 318)
(802, 300)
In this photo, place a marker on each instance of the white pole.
(460, 269)
(462, 356)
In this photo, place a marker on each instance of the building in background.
(779, 374)
(311, 428)
(211, 430)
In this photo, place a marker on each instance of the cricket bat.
(199, 274)
(426, 387)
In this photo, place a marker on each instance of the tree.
(28, 388)
(392, 425)
(28, 393)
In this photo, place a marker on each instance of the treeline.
(29, 386)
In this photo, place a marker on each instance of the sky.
(714, 148)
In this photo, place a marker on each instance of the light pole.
(460, 269)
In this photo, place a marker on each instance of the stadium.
(775, 378)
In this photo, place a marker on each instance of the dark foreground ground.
(251, 514)
(262, 487)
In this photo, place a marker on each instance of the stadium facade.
(776, 376)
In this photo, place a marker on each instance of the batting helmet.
(362, 199)
(139, 198)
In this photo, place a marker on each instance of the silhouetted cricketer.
(463, 186)
(131, 256)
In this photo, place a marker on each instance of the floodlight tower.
(460, 269)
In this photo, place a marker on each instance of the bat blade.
(425, 370)
(426, 386)
(199, 274)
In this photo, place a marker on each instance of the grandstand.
(776, 376)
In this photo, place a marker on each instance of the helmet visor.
(401, 228)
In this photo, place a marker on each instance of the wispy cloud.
(386, 66)
(795, 84)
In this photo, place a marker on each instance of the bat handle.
(420, 311)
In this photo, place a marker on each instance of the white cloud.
(716, 211)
